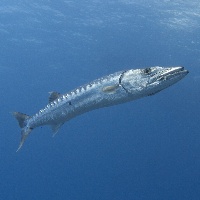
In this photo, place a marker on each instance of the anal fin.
(55, 128)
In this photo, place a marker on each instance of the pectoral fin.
(110, 88)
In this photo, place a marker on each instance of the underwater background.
(143, 150)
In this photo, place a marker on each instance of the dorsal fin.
(53, 96)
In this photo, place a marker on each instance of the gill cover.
(149, 81)
(134, 81)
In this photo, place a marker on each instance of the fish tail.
(25, 130)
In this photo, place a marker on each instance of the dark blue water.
(142, 150)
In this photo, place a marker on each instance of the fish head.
(149, 81)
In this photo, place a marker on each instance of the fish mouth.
(172, 72)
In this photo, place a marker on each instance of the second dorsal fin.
(53, 96)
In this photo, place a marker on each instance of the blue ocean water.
(143, 150)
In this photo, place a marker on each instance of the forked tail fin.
(22, 119)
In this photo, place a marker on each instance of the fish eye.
(147, 70)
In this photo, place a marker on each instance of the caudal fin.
(22, 118)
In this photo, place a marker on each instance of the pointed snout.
(175, 71)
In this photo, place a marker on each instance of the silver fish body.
(80, 100)
(113, 89)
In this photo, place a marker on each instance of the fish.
(116, 88)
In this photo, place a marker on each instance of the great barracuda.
(113, 89)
